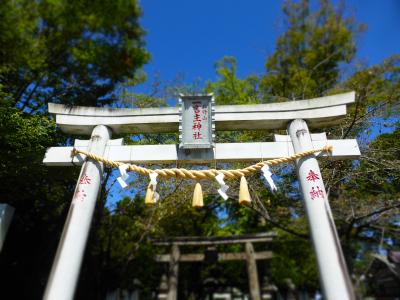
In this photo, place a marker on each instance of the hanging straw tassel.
(150, 195)
(244, 195)
(197, 196)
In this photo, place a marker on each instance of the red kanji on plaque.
(196, 117)
(197, 136)
(85, 179)
(204, 111)
(196, 125)
(316, 193)
(312, 176)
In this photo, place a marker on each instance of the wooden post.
(173, 273)
(252, 272)
(335, 280)
(163, 289)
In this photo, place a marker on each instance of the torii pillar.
(335, 281)
(67, 263)
(99, 122)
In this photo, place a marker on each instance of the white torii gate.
(296, 116)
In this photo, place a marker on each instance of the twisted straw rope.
(201, 174)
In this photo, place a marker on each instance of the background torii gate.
(249, 255)
(100, 123)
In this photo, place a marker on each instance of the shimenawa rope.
(201, 174)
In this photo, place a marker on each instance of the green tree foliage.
(79, 53)
(70, 52)
(308, 62)
(40, 196)
(229, 89)
(314, 57)
(307, 59)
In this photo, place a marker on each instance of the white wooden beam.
(226, 152)
(318, 112)
(314, 137)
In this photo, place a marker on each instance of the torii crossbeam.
(100, 123)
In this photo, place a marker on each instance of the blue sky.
(188, 37)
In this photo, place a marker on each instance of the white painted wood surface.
(226, 152)
(67, 263)
(318, 112)
(335, 281)
(314, 137)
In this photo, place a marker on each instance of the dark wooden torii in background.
(249, 255)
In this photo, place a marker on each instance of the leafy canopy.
(72, 52)
(308, 56)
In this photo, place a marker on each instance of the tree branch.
(379, 211)
(258, 207)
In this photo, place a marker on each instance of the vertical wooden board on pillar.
(252, 272)
(173, 273)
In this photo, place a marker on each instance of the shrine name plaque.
(196, 126)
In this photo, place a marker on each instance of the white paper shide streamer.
(153, 182)
(268, 177)
(124, 175)
(223, 187)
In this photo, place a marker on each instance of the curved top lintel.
(318, 112)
